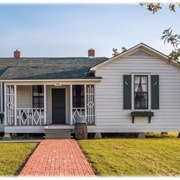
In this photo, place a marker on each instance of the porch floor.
(57, 158)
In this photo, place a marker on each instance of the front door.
(58, 106)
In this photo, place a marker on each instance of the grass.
(134, 157)
(13, 156)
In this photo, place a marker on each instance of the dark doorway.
(58, 106)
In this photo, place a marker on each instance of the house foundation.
(98, 136)
(7, 136)
(141, 135)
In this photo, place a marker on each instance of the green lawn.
(13, 155)
(134, 157)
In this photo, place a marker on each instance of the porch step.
(58, 134)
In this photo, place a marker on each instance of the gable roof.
(48, 68)
(140, 46)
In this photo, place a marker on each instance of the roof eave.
(53, 80)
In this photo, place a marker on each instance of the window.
(145, 93)
(78, 96)
(140, 92)
(38, 96)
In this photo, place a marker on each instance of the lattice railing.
(30, 116)
(10, 105)
(90, 104)
(88, 111)
(77, 113)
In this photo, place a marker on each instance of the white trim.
(34, 116)
(45, 106)
(71, 104)
(132, 92)
(85, 100)
(1, 96)
(5, 120)
(15, 105)
(53, 81)
(24, 129)
(59, 127)
(149, 91)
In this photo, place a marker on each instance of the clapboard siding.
(110, 115)
(24, 96)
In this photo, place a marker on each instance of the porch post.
(45, 104)
(15, 105)
(85, 101)
(71, 104)
(1, 97)
(5, 120)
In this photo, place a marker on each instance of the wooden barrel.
(80, 131)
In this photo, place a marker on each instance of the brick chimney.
(17, 54)
(91, 53)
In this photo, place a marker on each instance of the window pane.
(137, 79)
(140, 92)
(140, 88)
(35, 100)
(141, 101)
(35, 105)
(40, 89)
(35, 88)
(144, 88)
(136, 89)
(41, 105)
(78, 96)
(38, 96)
(41, 100)
(144, 79)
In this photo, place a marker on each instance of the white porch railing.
(30, 116)
(88, 111)
(77, 113)
(80, 112)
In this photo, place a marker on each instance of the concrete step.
(58, 137)
(58, 131)
(58, 134)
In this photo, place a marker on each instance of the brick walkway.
(57, 158)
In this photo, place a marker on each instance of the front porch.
(35, 107)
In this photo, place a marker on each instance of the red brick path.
(57, 158)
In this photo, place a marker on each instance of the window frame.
(38, 96)
(78, 98)
(148, 92)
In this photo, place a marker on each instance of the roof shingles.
(47, 68)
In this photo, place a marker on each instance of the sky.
(70, 29)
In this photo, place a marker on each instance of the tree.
(123, 49)
(168, 36)
(115, 52)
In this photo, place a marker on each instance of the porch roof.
(48, 68)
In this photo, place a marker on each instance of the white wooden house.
(135, 91)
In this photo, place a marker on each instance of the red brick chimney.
(91, 53)
(17, 54)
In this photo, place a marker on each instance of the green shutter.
(154, 91)
(127, 91)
